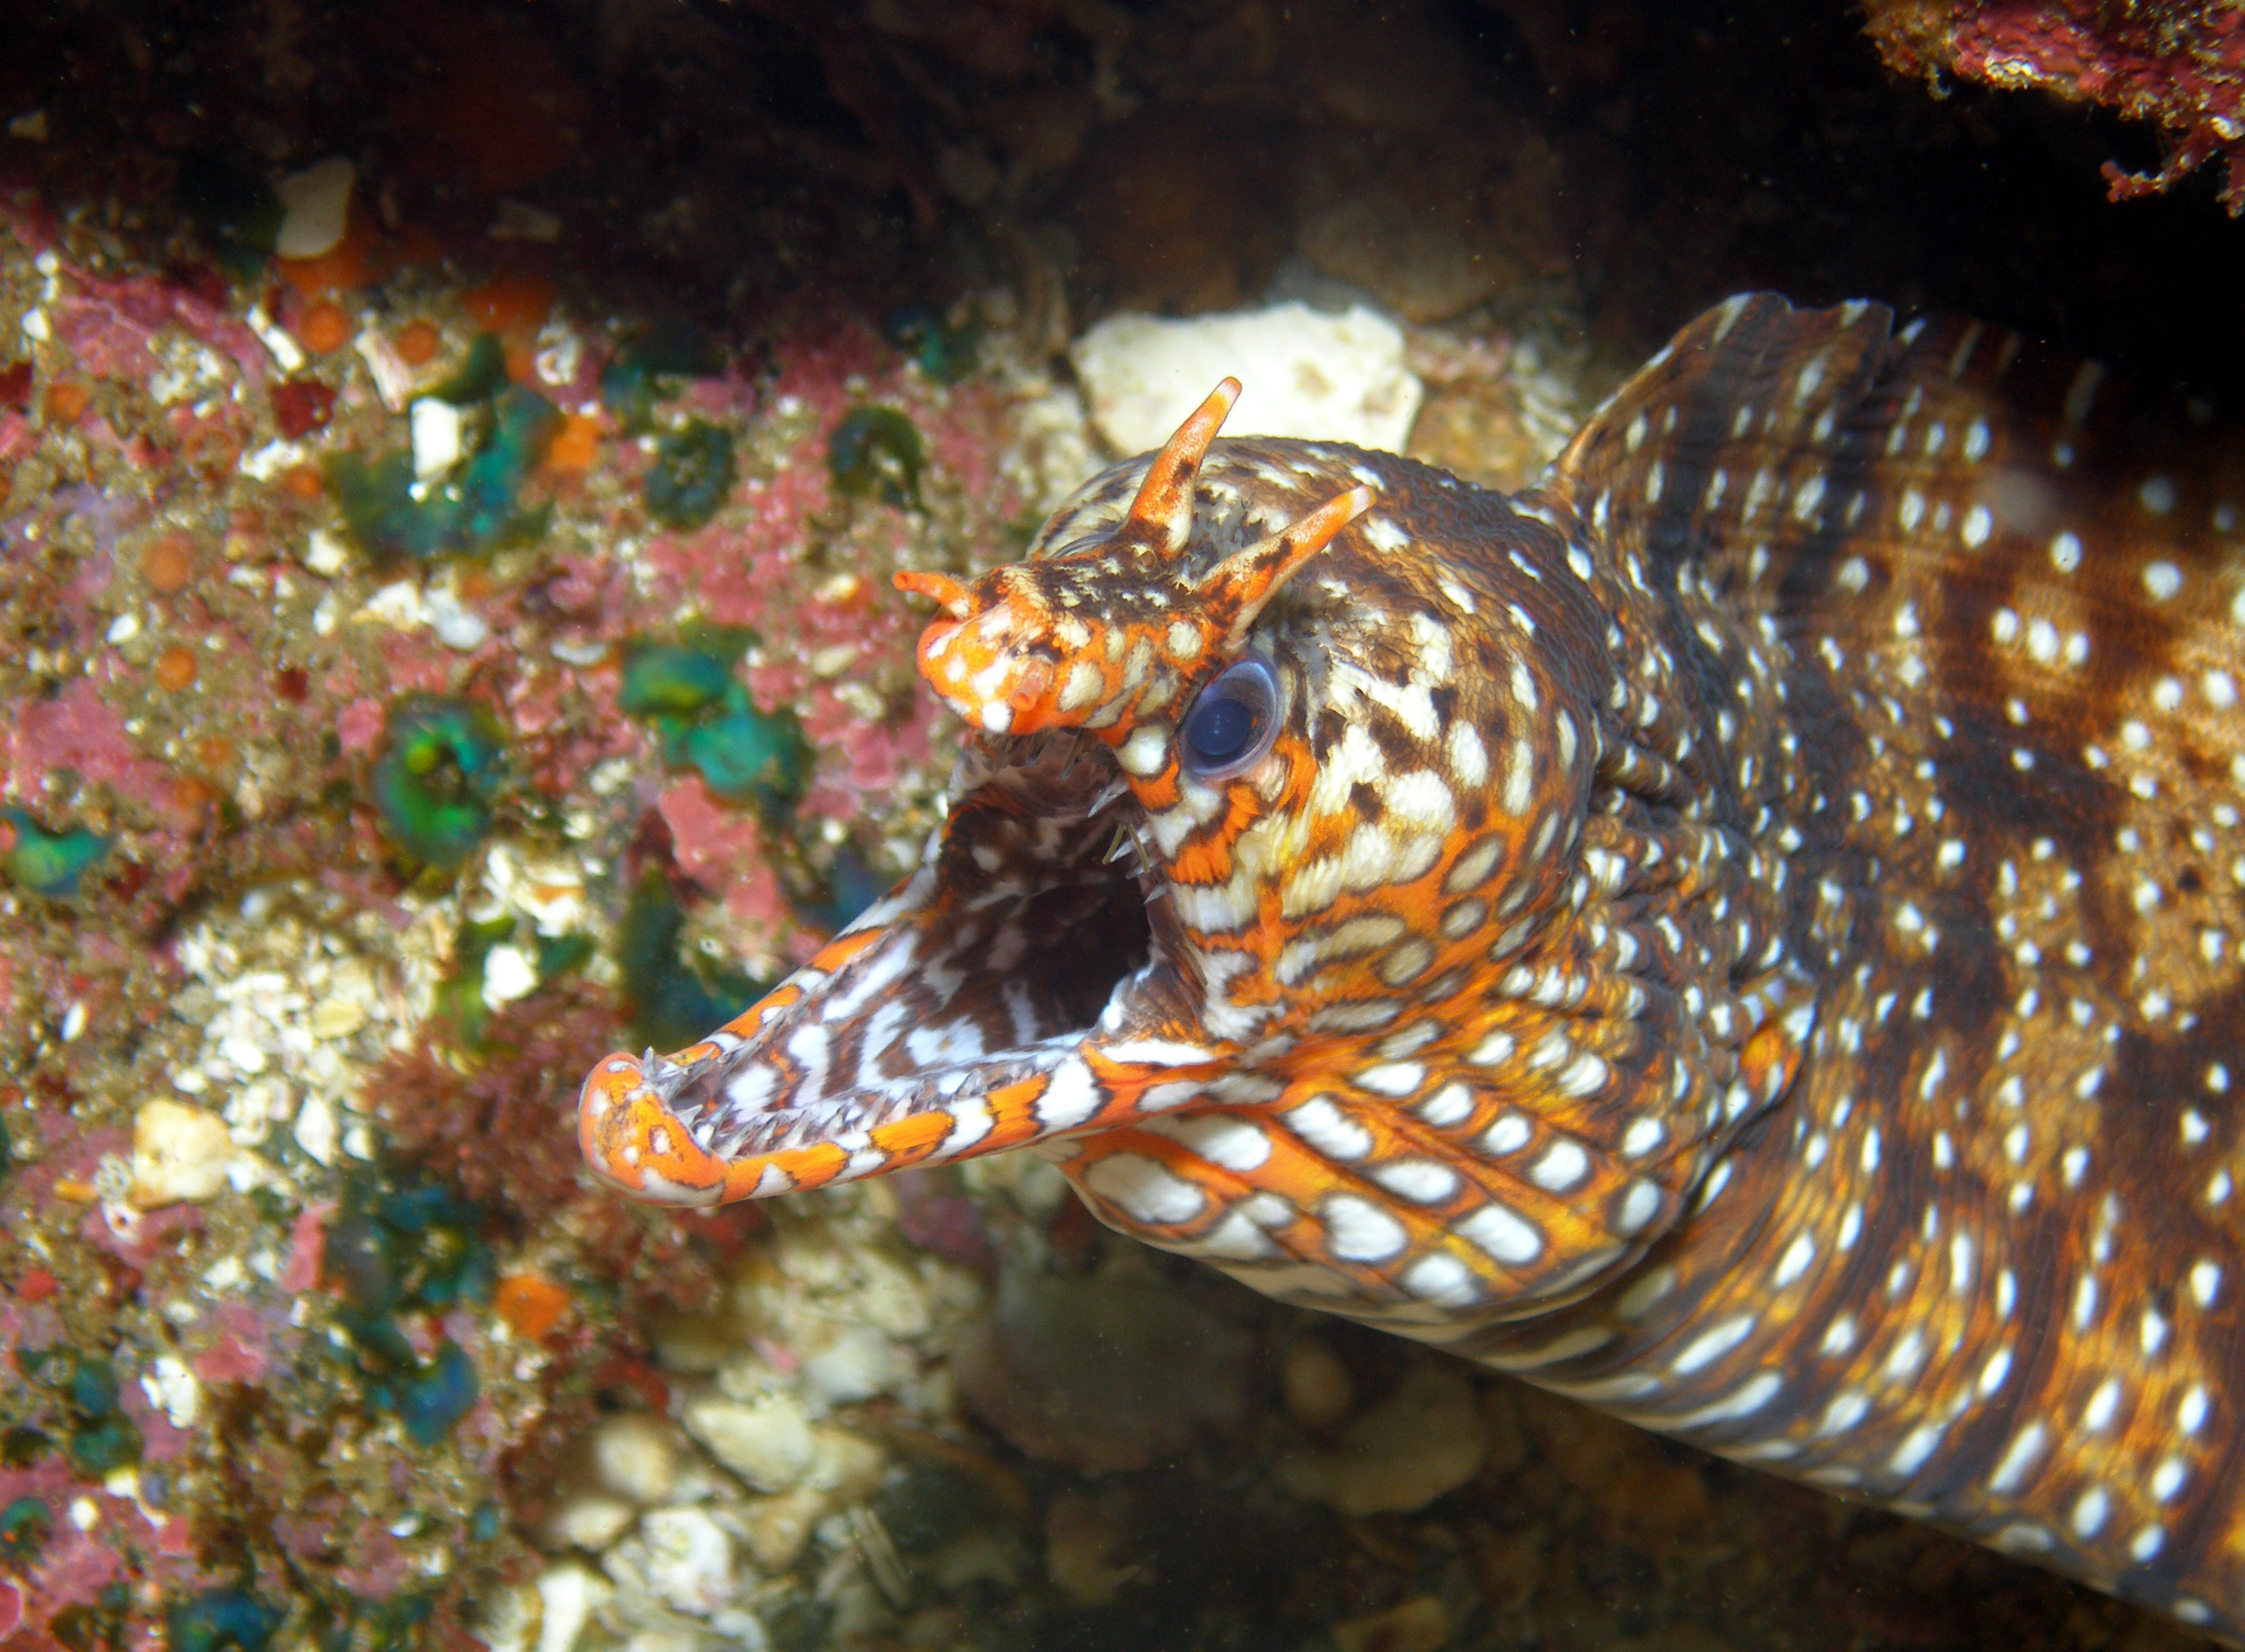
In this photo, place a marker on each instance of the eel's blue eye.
(1232, 725)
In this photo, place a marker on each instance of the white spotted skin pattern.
(1747, 934)
(1980, 1262)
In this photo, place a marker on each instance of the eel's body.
(1749, 933)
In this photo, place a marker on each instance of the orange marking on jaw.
(1161, 791)
(1207, 858)
(1011, 1105)
(812, 1165)
(840, 951)
(908, 1141)
(744, 1025)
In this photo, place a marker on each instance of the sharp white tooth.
(1126, 843)
(663, 1075)
(1115, 789)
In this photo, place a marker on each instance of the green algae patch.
(749, 755)
(480, 375)
(672, 1002)
(24, 1526)
(43, 861)
(405, 1244)
(223, 1619)
(677, 679)
(692, 474)
(467, 997)
(875, 453)
(473, 508)
(646, 369)
(944, 354)
(98, 1437)
(440, 768)
(707, 720)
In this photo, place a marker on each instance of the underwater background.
(452, 459)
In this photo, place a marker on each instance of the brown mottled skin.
(1746, 933)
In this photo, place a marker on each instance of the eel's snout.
(635, 1142)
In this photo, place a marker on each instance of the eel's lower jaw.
(947, 1021)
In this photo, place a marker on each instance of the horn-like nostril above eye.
(1232, 724)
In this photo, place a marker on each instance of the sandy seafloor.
(344, 829)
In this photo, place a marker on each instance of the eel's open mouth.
(1015, 988)
(1036, 917)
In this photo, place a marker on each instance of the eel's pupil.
(1232, 723)
(1220, 729)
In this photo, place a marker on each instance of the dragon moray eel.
(1748, 932)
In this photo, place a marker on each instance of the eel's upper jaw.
(962, 1014)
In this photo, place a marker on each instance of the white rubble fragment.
(559, 353)
(777, 1529)
(314, 208)
(315, 1128)
(173, 1390)
(180, 1155)
(634, 1457)
(393, 378)
(283, 349)
(590, 1521)
(437, 439)
(566, 1598)
(336, 1018)
(457, 625)
(1052, 453)
(508, 975)
(689, 1560)
(766, 1441)
(740, 1629)
(262, 464)
(859, 1364)
(1304, 373)
(324, 553)
(547, 890)
(398, 604)
(247, 1055)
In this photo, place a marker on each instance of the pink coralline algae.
(213, 675)
(76, 729)
(722, 848)
(2180, 65)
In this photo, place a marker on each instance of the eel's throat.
(992, 1000)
